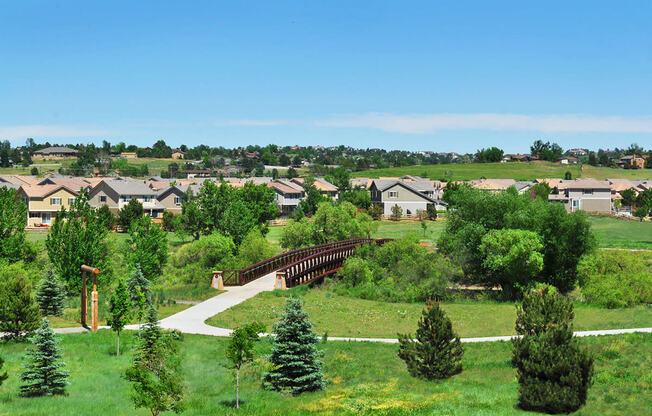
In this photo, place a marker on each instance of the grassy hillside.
(363, 379)
(518, 171)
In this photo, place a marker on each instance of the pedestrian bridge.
(302, 265)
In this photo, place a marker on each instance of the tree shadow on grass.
(231, 403)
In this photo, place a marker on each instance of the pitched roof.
(40, 191)
(130, 187)
(585, 183)
(320, 184)
(384, 184)
(286, 187)
(55, 149)
(491, 184)
(70, 182)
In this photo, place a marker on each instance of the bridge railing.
(323, 263)
(260, 269)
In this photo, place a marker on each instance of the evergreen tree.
(138, 286)
(51, 295)
(554, 374)
(437, 351)
(119, 311)
(19, 313)
(3, 376)
(43, 375)
(155, 370)
(295, 354)
(130, 213)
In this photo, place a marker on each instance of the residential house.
(631, 161)
(44, 201)
(56, 152)
(510, 157)
(568, 160)
(586, 194)
(117, 193)
(322, 185)
(410, 196)
(288, 195)
(493, 185)
(577, 152)
(171, 198)
(178, 154)
(129, 155)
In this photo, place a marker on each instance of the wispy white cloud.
(48, 131)
(427, 123)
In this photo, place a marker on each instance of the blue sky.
(454, 76)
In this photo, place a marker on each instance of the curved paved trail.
(191, 320)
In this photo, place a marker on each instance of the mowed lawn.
(612, 232)
(516, 170)
(352, 317)
(362, 379)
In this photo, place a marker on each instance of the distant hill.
(513, 170)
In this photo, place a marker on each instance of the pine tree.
(119, 311)
(554, 374)
(155, 370)
(51, 295)
(437, 351)
(3, 376)
(138, 287)
(43, 375)
(19, 314)
(295, 354)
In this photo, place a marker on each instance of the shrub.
(199, 258)
(397, 213)
(254, 248)
(130, 213)
(431, 210)
(554, 374)
(375, 211)
(616, 279)
(19, 314)
(437, 351)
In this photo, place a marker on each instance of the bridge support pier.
(279, 283)
(218, 280)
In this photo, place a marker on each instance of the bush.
(375, 211)
(399, 271)
(437, 351)
(130, 213)
(616, 279)
(19, 314)
(554, 374)
(397, 213)
(198, 259)
(254, 248)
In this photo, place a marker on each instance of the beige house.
(117, 193)
(129, 155)
(56, 152)
(171, 198)
(178, 154)
(43, 202)
(404, 194)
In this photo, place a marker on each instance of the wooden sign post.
(94, 313)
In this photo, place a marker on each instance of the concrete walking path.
(191, 320)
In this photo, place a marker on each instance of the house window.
(147, 199)
(587, 191)
(55, 201)
(153, 214)
(102, 198)
(126, 198)
(71, 201)
(35, 215)
(576, 203)
(392, 194)
(177, 200)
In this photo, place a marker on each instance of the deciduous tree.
(19, 314)
(240, 351)
(147, 246)
(119, 311)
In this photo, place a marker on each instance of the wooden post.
(218, 280)
(280, 281)
(84, 294)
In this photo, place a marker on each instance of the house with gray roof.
(410, 196)
(55, 152)
(117, 193)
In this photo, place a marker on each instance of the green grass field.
(363, 379)
(612, 232)
(366, 318)
(517, 170)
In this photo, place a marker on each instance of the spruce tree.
(554, 374)
(51, 295)
(437, 352)
(19, 314)
(294, 354)
(119, 311)
(138, 287)
(43, 375)
(155, 370)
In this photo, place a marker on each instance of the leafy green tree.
(34, 171)
(340, 177)
(397, 212)
(237, 221)
(147, 246)
(155, 374)
(43, 375)
(5, 148)
(431, 212)
(19, 314)
(196, 260)
(358, 196)
(51, 295)
(294, 353)
(130, 213)
(13, 219)
(424, 227)
(192, 218)
(105, 216)
(375, 211)
(297, 234)
(335, 222)
(540, 190)
(292, 172)
(3, 376)
(554, 374)
(568, 175)
(628, 197)
(78, 237)
(119, 311)
(253, 249)
(512, 259)
(436, 352)
(312, 200)
(240, 351)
